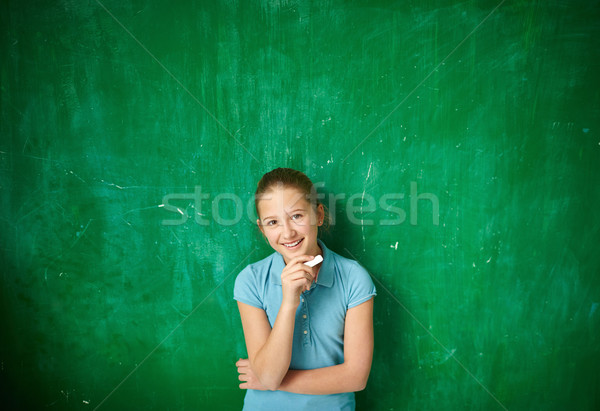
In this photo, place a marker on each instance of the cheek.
(271, 236)
(310, 229)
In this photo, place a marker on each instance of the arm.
(270, 350)
(353, 373)
(350, 376)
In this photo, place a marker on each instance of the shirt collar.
(325, 277)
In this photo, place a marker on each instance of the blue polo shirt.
(319, 328)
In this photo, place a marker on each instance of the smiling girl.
(308, 330)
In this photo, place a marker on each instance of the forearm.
(328, 380)
(272, 361)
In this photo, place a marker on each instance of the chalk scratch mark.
(72, 173)
(362, 221)
(175, 235)
(178, 312)
(188, 166)
(29, 213)
(40, 158)
(82, 233)
(141, 209)
(113, 185)
(160, 259)
(25, 145)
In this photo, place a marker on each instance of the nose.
(288, 230)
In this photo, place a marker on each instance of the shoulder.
(347, 268)
(256, 272)
(253, 281)
(354, 279)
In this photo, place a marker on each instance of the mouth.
(293, 245)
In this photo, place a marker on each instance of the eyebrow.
(287, 212)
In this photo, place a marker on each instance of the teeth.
(293, 244)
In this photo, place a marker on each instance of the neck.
(316, 250)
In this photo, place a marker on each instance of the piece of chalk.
(314, 261)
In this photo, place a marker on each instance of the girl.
(308, 330)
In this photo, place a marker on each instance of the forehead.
(280, 200)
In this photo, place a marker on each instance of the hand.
(250, 380)
(296, 278)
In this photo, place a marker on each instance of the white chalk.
(314, 261)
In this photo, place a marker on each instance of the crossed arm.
(270, 352)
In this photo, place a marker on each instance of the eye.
(296, 216)
(271, 222)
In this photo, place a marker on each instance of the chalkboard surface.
(456, 144)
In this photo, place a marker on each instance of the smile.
(294, 244)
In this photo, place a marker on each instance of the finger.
(297, 270)
(302, 281)
(244, 386)
(300, 259)
(299, 275)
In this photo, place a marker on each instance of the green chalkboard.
(456, 144)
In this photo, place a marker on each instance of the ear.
(320, 214)
(260, 227)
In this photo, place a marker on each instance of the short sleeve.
(361, 286)
(246, 290)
